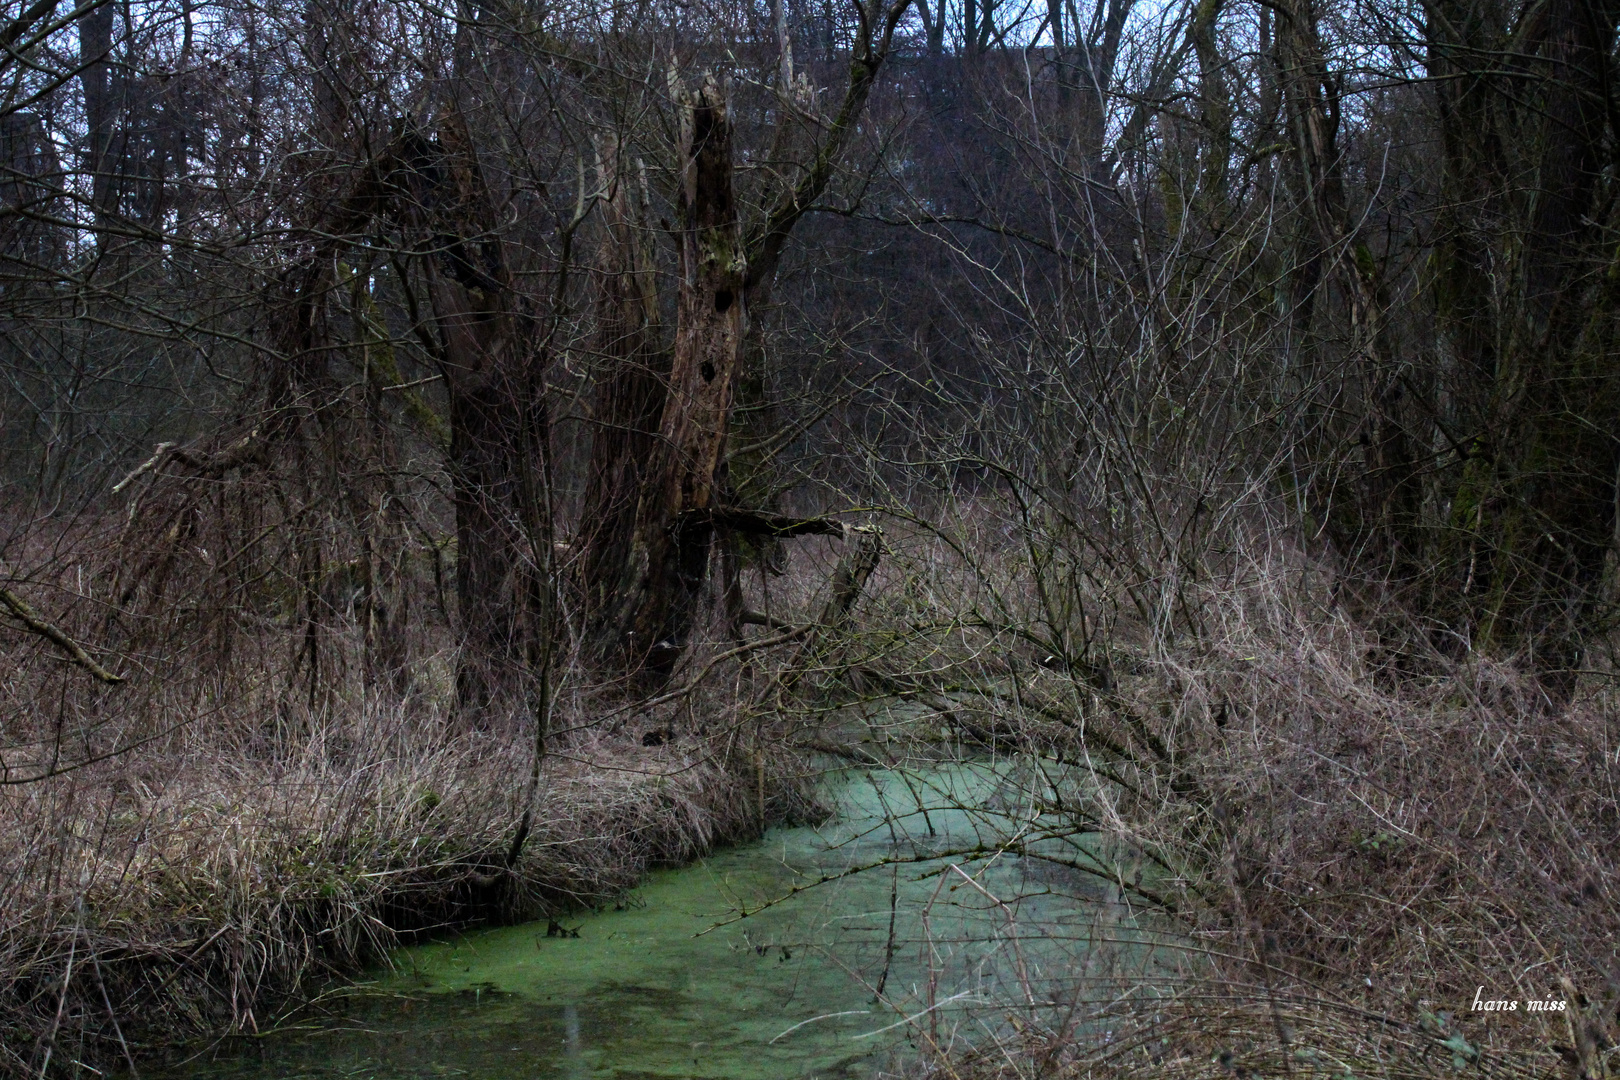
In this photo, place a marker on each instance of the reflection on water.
(932, 939)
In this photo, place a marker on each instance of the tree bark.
(494, 396)
(1373, 516)
(96, 77)
(630, 395)
(670, 548)
(1524, 118)
(1085, 74)
(664, 564)
(1215, 116)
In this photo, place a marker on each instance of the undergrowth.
(202, 887)
(1355, 842)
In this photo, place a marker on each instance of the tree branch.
(781, 526)
(764, 243)
(31, 620)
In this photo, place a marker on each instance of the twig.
(148, 464)
(916, 1016)
(112, 1014)
(823, 1016)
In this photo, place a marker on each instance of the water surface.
(923, 937)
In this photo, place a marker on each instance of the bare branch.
(36, 625)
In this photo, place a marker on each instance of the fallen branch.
(844, 751)
(863, 547)
(31, 620)
(149, 463)
(750, 617)
(792, 633)
(781, 526)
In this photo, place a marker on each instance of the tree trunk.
(493, 393)
(1532, 514)
(1374, 514)
(664, 564)
(630, 394)
(1215, 116)
(1085, 76)
(670, 548)
(96, 77)
(934, 29)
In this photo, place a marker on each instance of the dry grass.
(201, 887)
(1353, 852)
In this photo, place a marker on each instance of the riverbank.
(1360, 860)
(1352, 854)
(861, 943)
(168, 896)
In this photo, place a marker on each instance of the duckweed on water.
(679, 983)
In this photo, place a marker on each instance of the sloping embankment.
(158, 900)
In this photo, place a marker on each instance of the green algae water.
(815, 952)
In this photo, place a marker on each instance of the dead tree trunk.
(661, 573)
(669, 552)
(630, 396)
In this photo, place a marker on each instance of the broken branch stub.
(863, 548)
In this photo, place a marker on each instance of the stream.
(932, 942)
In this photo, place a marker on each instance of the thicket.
(437, 442)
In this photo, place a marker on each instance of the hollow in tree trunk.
(669, 549)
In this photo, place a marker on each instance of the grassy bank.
(1356, 845)
(199, 888)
